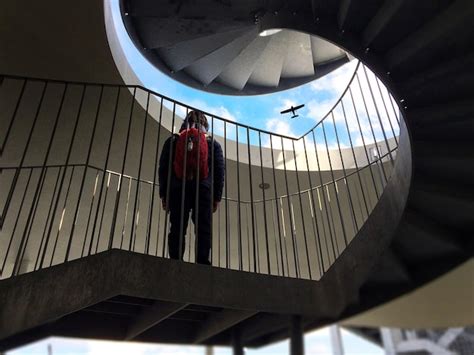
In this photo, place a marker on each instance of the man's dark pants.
(177, 217)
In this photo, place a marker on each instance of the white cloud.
(279, 126)
(335, 82)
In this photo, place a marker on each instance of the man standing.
(191, 178)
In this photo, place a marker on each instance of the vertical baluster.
(251, 201)
(264, 203)
(104, 169)
(355, 159)
(275, 188)
(16, 221)
(382, 128)
(48, 221)
(212, 188)
(150, 213)
(317, 234)
(124, 163)
(196, 201)
(290, 212)
(377, 194)
(68, 189)
(90, 213)
(30, 219)
(125, 216)
(227, 236)
(107, 156)
(102, 213)
(324, 198)
(344, 233)
(239, 214)
(135, 217)
(386, 111)
(371, 127)
(25, 151)
(68, 249)
(301, 208)
(168, 181)
(349, 194)
(182, 232)
(12, 120)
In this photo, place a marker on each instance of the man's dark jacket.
(219, 168)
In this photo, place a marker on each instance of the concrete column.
(391, 337)
(336, 340)
(209, 350)
(296, 336)
(237, 347)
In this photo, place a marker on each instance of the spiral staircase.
(423, 51)
(199, 45)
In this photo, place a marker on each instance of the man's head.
(195, 119)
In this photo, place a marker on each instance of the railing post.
(237, 347)
(296, 335)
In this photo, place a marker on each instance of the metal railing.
(80, 175)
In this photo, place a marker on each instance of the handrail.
(100, 189)
(135, 86)
(374, 162)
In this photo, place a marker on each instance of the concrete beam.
(151, 317)
(220, 322)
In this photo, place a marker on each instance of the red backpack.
(191, 145)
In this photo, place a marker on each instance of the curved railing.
(79, 176)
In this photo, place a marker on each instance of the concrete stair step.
(441, 83)
(421, 239)
(437, 115)
(450, 132)
(451, 163)
(209, 67)
(167, 32)
(183, 54)
(237, 73)
(396, 20)
(351, 18)
(449, 204)
(440, 38)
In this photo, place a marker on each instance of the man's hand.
(215, 206)
(163, 204)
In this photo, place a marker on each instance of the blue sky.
(316, 343)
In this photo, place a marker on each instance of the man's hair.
(197, 117)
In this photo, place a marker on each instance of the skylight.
(261, 111)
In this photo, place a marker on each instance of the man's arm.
(219, 171)
(163, 166)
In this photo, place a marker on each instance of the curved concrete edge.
(352, 268)
(40, 297)
(430, 306)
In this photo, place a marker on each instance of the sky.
(263, 112)
(316, 343)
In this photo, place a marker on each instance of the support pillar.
(237, 346)
(391, 337)
(336, 340)
(296, 336)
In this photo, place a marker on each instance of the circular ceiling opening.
(210, 48)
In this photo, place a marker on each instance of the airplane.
(292, 110)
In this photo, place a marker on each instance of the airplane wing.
(299, 106)
(286, 111)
